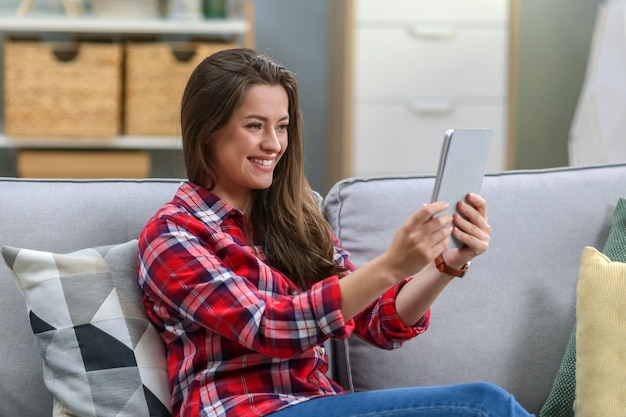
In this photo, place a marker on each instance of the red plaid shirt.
(242, 339)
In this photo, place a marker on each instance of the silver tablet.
(462, 165)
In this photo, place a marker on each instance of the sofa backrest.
(509, 319)
(58, 216)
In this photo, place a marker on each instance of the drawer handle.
(431, 106)
(433, 32)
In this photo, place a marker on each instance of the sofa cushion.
(600, 336)
(102, 357)
(509, 320)
(61, 216)
(560, 403)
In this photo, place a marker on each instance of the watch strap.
(442, 266)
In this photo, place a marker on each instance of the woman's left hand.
(471, 228)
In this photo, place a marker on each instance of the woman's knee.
(488, 390)
(497, 397)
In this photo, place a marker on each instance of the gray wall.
(294, 32)
(554, 40)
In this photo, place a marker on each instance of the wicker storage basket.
(155, 80)
(48, 96)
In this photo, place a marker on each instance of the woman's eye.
(255, 126)
(283, 127)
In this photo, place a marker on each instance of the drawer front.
(431, 61)
(432, 10)
(83, 164)
(395, 139)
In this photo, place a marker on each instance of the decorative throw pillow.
(101, 355)
(615, 246)
(560, 402)
(600, 336)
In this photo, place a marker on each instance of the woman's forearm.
(417, 296)
(364, 285)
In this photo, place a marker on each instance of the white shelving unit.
(94, 25)
(120, 142)
(241, 27)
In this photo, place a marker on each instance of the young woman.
(244, 279)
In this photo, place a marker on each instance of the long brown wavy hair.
(286, 219)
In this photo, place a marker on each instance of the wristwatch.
(442, 266)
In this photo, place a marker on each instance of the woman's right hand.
(419, 240)
(415, 244)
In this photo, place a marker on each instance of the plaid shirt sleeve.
(379, 323)
(199, 277)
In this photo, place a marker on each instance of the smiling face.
(250, 145)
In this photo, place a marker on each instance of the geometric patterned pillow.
(101, 355)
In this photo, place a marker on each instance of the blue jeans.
(464, 400)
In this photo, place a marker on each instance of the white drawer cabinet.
(405, 71)
(438, 61)
(396, 139)
(431, 10)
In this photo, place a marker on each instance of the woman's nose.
(271, 141)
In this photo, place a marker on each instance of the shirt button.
(295, 292)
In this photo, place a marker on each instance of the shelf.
(124, 26)
(121, 142)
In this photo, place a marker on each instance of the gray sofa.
(508, 321)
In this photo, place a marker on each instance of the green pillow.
(615, 247)
(560, 402)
